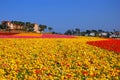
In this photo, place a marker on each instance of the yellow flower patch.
(62, 59)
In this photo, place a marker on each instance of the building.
(7, 24)
(92, 34)
(115, 34)
(12, 26)
(36, 28)
(103, 34)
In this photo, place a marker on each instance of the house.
(103, 34)
(36, 28)
(92, 34)
(86, 34)
(12, 26)
(7, 24)
(115, 34)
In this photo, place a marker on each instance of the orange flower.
(69, 75)
(85, 73)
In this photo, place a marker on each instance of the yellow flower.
(56, 59)
(2, 72)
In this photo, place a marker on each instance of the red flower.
(37, 71)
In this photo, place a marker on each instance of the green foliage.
(42, 27)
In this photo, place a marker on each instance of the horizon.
(46, 30)
(64, 15)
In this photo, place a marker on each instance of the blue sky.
(64, 14)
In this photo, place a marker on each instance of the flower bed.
(56, 36)
(56, 59)
(33, 35)
(7, 34)
(111, 44)
(20, 35)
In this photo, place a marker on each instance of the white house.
(92, 34)
(10, 25)
(104, 34)
(36, 28)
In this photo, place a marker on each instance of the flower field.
(56, 59)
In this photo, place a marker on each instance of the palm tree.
(77, 30)
(4, 25)
(50, 28)
(42, 27)
(88, 32)
(100, 31)
(68, 32)
(31, 27)
(27, 25)
(22, 25)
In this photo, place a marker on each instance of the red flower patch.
(111, 44)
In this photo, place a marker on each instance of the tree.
(27, 26)
(68, 32)
(88, 32)
(42, 27)
(83, 33)
(4, 25)
(19, 24)
(100, 31)
(1, 26)
(77, 30)
(95, 32)
(73, 32)
(50, 28)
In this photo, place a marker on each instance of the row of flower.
(56, 59)
(33, 35)
(7, 33)
(56, 36)
(20, 35)
(111, 44)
